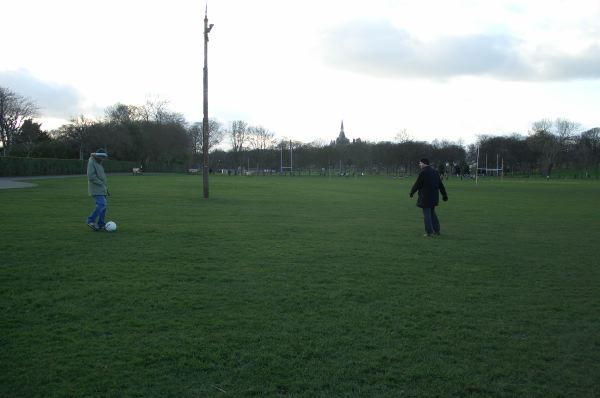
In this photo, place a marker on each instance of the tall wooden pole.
(477, 167)
(205, 130)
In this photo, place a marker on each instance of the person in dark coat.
(428, 184)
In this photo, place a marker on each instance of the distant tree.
(195, 134)
(518, 156)
(566, 131)
(447, 152)
(156, 110)
(441, 167)
(412, 152)
(318, 143)
(121, 113)
(402, 136)
(165, 143)
(153, 111)
(215, 135)
(359, 155)
(14, 110)
(548, 139)
(79, 129)
(464, 168)
(260, 138)
(238, 136)
(146, 132)
(587, 150)
(30, 137)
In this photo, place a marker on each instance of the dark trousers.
(432, 224)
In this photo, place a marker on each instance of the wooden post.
(477, 167)
(205, 130)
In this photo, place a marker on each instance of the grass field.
(300, 287)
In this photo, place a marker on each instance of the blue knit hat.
(100, 153)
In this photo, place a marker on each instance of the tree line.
(550, 145)
(153, 133)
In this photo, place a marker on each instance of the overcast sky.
(437, 69)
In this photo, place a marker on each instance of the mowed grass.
(300, 287)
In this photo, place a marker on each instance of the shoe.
(427, 236)
(436, 233)
(92, 226)
(101, 227)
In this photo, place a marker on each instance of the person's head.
(423, 162)
(100, 155)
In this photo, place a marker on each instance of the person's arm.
(443, 191)
(417, 185)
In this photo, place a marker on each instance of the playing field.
(300, 287)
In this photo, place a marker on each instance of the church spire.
(342, 137)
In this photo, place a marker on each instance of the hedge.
(14, 166)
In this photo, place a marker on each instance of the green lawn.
(300, 287)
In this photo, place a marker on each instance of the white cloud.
(380, 49)
(55, 100)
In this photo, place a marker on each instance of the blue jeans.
(99, 211)
(432, 224)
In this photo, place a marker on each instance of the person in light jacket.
(428, 184)
(98, 189)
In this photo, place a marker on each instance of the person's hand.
(411, 194)
(445, 198)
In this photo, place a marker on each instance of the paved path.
(18, 182)
(8, 182)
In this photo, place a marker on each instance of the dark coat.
(428, 184)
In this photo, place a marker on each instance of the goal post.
(289, 168)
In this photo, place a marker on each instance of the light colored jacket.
(96, 178)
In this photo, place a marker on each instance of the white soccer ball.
(111, 226)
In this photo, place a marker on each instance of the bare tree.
(543, 125)
(566, 130)
(238, 135)
(156, 110)
(544, 143)
(402, 136)
(260, 138)
(172, 118)
(215, 136)
(153, 111)
(14, 110)
(549, 139)
(78, 131)
(318, 143)
(120, 113)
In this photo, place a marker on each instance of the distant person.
(97, 189)
(428, 184)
